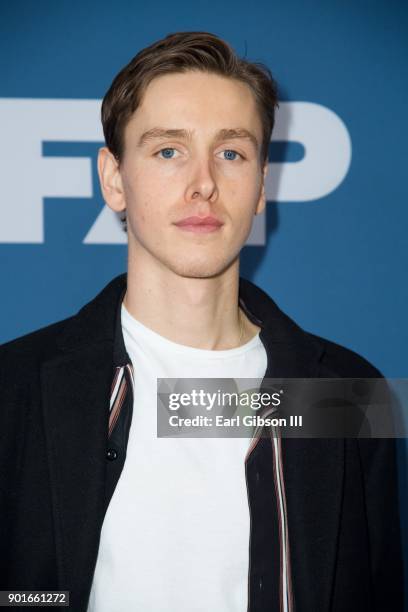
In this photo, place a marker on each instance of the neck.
(197, 312)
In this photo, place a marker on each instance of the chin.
(199, 268)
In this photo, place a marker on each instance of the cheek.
(140, 199)
(244, 201)
(142, 212)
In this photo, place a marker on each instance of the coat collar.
(100, 321)
(76, 389)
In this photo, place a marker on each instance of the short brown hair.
(180, 52)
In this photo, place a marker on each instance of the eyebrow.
(224, 134)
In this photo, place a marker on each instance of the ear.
(262, 198)
(110, 180)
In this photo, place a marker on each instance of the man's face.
(199, 172)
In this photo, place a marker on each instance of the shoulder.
(334, 359)
(33, 348)
(343, 361)
(94, 324)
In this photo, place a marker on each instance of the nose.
(201, 184)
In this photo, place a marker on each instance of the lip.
(200, 225)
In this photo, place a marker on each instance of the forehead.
(196, 100)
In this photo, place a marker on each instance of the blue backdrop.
(331, 249)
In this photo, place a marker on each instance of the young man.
(92, 500)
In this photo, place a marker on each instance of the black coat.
(341, 494)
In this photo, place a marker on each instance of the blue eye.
(229, 151)
(165, 151)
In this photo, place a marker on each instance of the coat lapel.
(313, 468)
(76, 385)
(76, 411)
(313, 475)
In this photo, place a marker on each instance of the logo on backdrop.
(28, 176)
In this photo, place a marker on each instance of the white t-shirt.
(176, 533)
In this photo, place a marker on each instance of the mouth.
(199, 225)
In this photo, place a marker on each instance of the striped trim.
(285, 578)
(118, 393)
(285, 582)
(129, 368)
